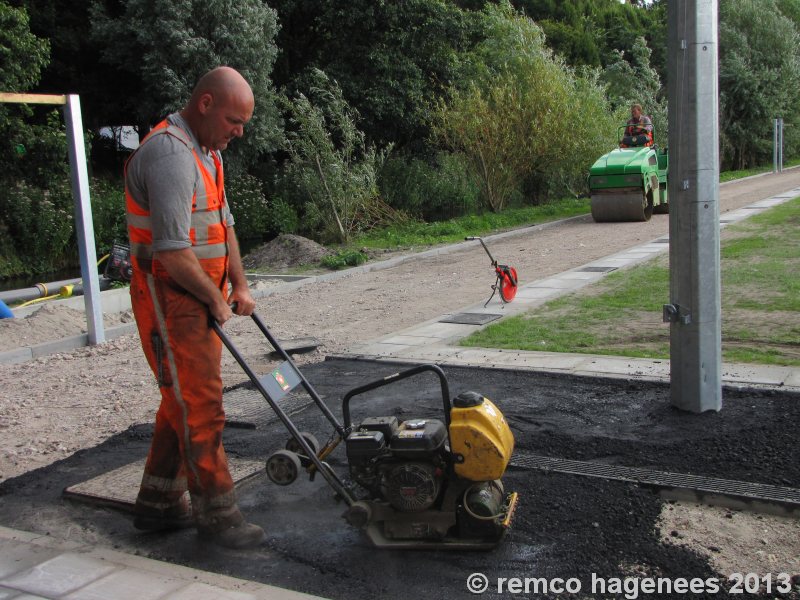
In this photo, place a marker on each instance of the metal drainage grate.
(598, 269)
(723, 492)
(471, 318)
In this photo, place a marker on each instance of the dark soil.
(566, 526)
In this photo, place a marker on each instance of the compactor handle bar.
(394, 377)
(329, 475)
(285, 356)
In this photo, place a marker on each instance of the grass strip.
(621, 315)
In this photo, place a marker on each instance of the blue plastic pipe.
(5, 312)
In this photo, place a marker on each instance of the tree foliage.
(167, 46)
(391, 59)
(22, 54)
(759, 76)
(632, 79)
(524, 113)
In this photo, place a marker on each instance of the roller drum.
(621, 206)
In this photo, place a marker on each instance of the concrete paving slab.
(408, 340)
(609, 262)
(128, 584)
(201, 591)
(445, 331)
(62, 345)
(639, 255)
(738, 215)
(793, 380)
(560, 283)
(375, 349)
(608, 364)
(17, 596)
(535, 292)
(18, 355)
(60, 575)
(583, 275)
(757, 374)
(768, 203)
(21, 557)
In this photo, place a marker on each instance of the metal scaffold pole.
(83, 220)
(695, 310)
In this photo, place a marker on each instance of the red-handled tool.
(506, 282)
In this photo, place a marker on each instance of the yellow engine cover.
(481, 435)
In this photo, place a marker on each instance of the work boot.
(230, 531)
(175, 517)
(239, 537)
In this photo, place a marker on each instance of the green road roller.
(630, 182)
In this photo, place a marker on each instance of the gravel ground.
(57, 405)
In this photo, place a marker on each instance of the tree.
(22, 54)
(391, 59)
(759, 74)
(330, 162)
(631, 80)
(167, 46)
(524, 113)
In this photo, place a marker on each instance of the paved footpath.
(40, 567)
(433, 340)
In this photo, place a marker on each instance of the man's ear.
(205, 103)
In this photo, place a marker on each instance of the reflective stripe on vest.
(208, 232)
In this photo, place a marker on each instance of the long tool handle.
(308, 387)
(327, 472)
(491, 258)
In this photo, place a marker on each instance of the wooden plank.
(33, 98)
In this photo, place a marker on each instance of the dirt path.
(54, 406)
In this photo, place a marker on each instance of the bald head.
(222, 82)
(220, 105)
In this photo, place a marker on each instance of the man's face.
(225, 118)
(636, 113)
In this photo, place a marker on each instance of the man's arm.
(240, 293)
(183, 266)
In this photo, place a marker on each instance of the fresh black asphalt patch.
(566, 527)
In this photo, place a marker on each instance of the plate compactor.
(418, 483)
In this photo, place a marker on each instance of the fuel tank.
(480, 434)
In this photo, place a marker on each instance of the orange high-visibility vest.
(208, 231)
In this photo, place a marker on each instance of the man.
(184, 253)
(639, 130)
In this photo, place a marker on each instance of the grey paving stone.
(59, 575)
(16, 556)
(128, 584)
(201, 591)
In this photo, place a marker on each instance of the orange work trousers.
(184, 354)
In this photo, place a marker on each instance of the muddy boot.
(178, 516)
(229, 530)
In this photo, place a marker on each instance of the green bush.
(345, 258)
(249, 207)
(39, 224)
(429, 190)
(108, 213)
(282, 218)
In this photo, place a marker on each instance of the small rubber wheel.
(508, 286)
(283, 467)
(292, 445)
